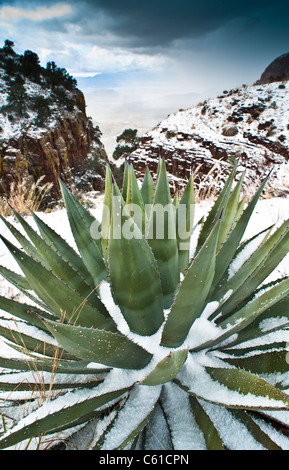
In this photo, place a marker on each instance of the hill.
(44, 127)
(250, 123)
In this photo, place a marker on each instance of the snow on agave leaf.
(140, 339)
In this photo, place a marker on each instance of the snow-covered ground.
(211, 116)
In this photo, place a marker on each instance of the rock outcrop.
(277, 71)
(65, 151)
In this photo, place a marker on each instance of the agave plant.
(151, 340)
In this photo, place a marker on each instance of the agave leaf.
(253, 309)
(16, 279)
(269, 338)
(57, 295)
(133, 193)
(254, 332)
(237, 428)
(22, 284)
(104, 347)
(156, 434)
(243, 252)
(125, 181)
(162, 237)
(185, 213)
(28, 247)
(54, 261)
(255, 430)
(134, 274)
(40, 381)
(134, 201)
(230, 214)
(131, 418)
(229, 247)
(167, 368)
(257, 268)
(80, 224)
(176, 200)
(148, 188)
(57, 413)
(24, 311)
(211, 435)
(246, 383)
(56, 364)
(249, 313)
(231, 387)
(19, 364)
(27, 342)
(107, 211)
(217, 209)
(105, 423)
(239, 210)
(87, 218)
(191, 297)
(261, 362)
(280, 309)
(67, 253)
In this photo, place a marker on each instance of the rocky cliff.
(44, 130)
(65, 150)
(250, 124)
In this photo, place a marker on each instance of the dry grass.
(24, 196)
(210, 185)
(38, 391)
(206, 187)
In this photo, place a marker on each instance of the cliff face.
(60, 151)
(250, 124)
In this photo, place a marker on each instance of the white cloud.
(40, 14)
(84, 74)
(103, 59)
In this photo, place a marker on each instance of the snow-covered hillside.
(44, 130)
(250, 123)
(14, 128)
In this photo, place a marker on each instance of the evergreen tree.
(8, 47)
(127, 143)
(17, 97)
(59, 77)
(30, 66)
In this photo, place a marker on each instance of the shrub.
(41, 105)
(17, 98)
(63, 98)
(152, 347)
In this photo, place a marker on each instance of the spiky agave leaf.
(131, 336)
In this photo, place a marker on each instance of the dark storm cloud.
(160, 22)
(151, 23)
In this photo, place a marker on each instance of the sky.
(149, 57)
